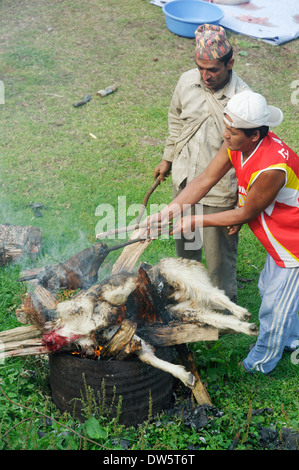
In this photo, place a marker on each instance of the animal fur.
(194, 296)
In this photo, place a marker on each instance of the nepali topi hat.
(211, 42)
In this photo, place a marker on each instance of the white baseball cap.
(249, 110)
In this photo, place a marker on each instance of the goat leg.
(215, 319)
(221, 300)
(229, 322)
(146, 355)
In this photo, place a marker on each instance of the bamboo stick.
(24, 344)
(21, 333)
(34, 351)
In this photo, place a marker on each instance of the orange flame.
(97, 352)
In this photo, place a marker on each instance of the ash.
(197, 417)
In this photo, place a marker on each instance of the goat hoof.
(253, 329)
(243, 314)
(247, 315)
(191, 381)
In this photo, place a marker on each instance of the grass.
(52, 54)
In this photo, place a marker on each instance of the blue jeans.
(278, 316)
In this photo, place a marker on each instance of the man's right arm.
(163, 169)
(201, 185)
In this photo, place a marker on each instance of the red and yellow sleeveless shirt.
(277, 227)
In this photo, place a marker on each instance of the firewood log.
(80, 271)
(38, 307)
(21, 333)
(120, 339)
(130, 255)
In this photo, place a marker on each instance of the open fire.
(126, 314)
(96, 353)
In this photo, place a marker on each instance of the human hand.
(233, 229)
(162, 170)
(154, 226)
(185, 225)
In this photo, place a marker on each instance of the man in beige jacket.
(195, 136)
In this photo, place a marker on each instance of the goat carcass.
(181, 290)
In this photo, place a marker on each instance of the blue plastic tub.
(184, 16)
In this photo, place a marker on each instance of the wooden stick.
(20, 333)
(15, 345)
(122, 245)
(130, 255)
(136, 226)
(146, 198)
(34, 351)
(129, 228)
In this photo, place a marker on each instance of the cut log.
(199, 392)
(21, 345)
(45, 298)
(21, 341)
(27, 348)
(132, 347)
(21, 333)
(178, 333)
(120, 339)
(38, 307)
(16, 241)
(130, 255)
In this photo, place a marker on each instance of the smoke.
(58, 243)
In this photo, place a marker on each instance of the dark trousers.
(220, 251)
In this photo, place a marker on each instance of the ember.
(96, 354)
(174, 290)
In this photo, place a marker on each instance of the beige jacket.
(195, 133)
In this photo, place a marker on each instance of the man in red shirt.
(268, 178)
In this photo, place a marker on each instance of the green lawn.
(52, 53)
